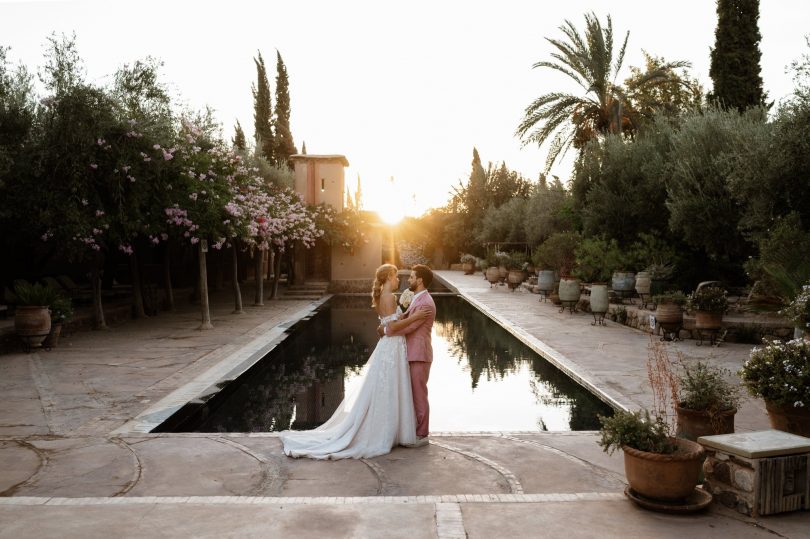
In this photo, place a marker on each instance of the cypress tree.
(239, 137)
(735, 58)
(262, 111)
(284, 147)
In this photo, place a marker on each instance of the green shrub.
(467, 258)
(61, 309)
(597, 259)
(704, 387)
(558, 252)
(780, 373)
(708, 298)
(634, 429)
(675, 297)
(35, 294)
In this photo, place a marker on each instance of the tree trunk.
(167, 277)
(98, 308)
(137, 287)
(206, 312)
(237, 293)
(259, 292)
(219, 270)
(276, 274)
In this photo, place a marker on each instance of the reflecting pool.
(482, 378)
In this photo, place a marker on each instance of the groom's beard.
(412, 287)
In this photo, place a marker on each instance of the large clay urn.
(545, 280)
(569, 289)
(669, 313)
(32, 323)
(692, 424)
(469, 268)
(643, 283)
(789, 418)
(515, 277)
(623, 281)
(599, 298)
(666, 477)
(493, 275)
(708, 320)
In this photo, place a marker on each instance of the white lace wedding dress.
(372, 419)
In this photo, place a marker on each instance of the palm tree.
(604, 107)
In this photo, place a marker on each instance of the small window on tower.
(323, 184)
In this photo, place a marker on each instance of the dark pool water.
(482, 378)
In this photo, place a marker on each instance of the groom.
(420, 348)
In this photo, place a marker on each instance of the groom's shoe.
(420, 441)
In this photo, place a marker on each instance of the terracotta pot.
(708, 320)
(493, 275)
(545, 280)
(569, 289)
(643, 282)
(555, 298)
(53, 337)
(692, 424)
(670, 477)
(623, 281)
(789, 419)
(599, 298)
(515, 277)
(32, 323)
(469, 268)
(668, 313)
(503, 272)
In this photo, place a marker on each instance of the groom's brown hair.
(423, 272)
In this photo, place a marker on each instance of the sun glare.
(391, 216)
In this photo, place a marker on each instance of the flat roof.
(315, 157)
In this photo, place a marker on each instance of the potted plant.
(515, 265)
(779, 373)
(61, 311)
(798, 312)
(708, 303)
(32, 320)
(468, 263)
(493, 274)
(706, 401)
(669, 307)
(657, 465)
(660, 274)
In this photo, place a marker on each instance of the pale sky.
(401, 89)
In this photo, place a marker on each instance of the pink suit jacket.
(417, 335)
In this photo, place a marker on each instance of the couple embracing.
(390, 407)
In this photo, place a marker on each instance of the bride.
(379, 414)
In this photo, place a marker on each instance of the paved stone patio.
(74, 464)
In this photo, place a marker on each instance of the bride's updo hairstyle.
(382, 275)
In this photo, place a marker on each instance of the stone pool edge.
(207, 384)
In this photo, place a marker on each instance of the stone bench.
(758, 473)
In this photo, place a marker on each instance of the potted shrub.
(798, 312)
(32, 320)
(660, 274)
(708, 303)
(502, 260)
(516, 264)
(706, 402)
(61, 311)
(468, 263)
(657, 465)
(779, 373)
(493, 274)
(669, 307)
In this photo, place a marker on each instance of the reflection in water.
(482, 378)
